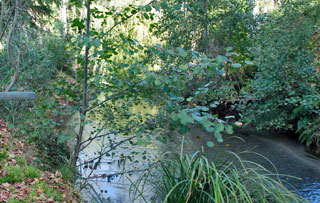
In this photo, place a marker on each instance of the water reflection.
(107, 173)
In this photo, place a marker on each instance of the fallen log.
(17, 96)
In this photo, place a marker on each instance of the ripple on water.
(311, 191)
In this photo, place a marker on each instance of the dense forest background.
(216, 65)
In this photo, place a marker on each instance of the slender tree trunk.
(84, 99)
(206, 37)
(3, 4)
(256, 9)
(64, 16)
(14, 64)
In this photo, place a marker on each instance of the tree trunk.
(206, 37)
(2, 14)
(84, 99)
(64, 16)
(14, 64)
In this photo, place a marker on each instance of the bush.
(286, 89)
(193, 178)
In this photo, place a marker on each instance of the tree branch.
(6, 25)
(112, 97)
(2, 14)
(106, 152)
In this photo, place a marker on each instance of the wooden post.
(17, 96)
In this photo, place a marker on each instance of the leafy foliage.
(207, 26)
(285, 90)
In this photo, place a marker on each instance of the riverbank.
(21, 180)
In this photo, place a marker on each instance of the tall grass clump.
(193, 178)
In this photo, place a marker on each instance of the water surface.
(110, 181)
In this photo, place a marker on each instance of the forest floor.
(21, 181)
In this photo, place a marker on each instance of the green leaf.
(213, 105)
(11, 126)
(96, 43)
(185, 119)
(221, 59)
(218, 127)
(148, 8)
(229, 129)
(171, 52)
(142, 142)
(204, 108)
(157, 82)
(77, 23)
(206, 123)
(156, 7)
(181, 85)
(182, 67)
(174, 117)
(232, 54)
(236, 65)
(197, 70)
(220, 140)
(146, 15)
(210, 144)
(76, 3)
(64, 138)
(164, 5)
(249, 62)
(182, 52)
(177, 6)
(218, 136)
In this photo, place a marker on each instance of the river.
(110, 181)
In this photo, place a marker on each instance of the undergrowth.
(193, 178)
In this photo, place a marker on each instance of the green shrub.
(286, 89)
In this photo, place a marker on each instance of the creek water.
(110, 181)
